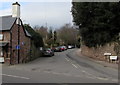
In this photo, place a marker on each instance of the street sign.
(2, 59)
(17, 47)
(106, 54)
(113, 57)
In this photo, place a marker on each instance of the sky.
(51, 14)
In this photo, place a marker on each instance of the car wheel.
(50, 55)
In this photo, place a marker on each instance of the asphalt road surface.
(61, 68)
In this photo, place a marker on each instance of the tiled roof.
(6, 22)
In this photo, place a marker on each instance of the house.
(15, 41)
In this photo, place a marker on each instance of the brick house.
(15, 41)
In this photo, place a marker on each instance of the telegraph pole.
(18, 48)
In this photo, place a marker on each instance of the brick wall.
(14, 39)
(24, 46)
(24, 43)
(98, 53)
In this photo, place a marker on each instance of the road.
(61, 68)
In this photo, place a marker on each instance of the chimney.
(16, 10)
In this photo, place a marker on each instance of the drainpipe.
(18, 40)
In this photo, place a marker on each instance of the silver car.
(48, 52)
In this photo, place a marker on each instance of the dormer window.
(1, 36)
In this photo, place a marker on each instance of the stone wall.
(98, 53)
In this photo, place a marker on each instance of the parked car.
(48, 52)
(65, 48)
(58, 49)
(62, 48)
(70, 46)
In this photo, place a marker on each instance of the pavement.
(104, 63)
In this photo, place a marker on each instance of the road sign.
(113, 57)
(17, 47)
(106, 54)
(2, 59)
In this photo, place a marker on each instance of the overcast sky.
(52, 14)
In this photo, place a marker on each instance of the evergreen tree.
(55, 36)
(36, 37)
(98, 22)
(50, 34)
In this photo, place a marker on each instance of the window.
(1, 36)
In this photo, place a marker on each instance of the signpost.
(113, 57)
(17, 47)
(2, 60)
(107, 56)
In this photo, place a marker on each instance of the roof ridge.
(6, 16)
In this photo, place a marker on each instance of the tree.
(42, 31)
(50, 34)
(67, 35)
(36, 37)
(50, 40)
(55, 36)
(98, 22)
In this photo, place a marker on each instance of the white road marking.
(56, 73)
(102, 78)
(74, 65)
(89, 74)
(86, 72)
(15, 76)
(67, 59)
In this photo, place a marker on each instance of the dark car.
(48, 52)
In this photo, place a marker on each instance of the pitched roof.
(7, 22)
(27, 33)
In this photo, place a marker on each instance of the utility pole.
(18, 46)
